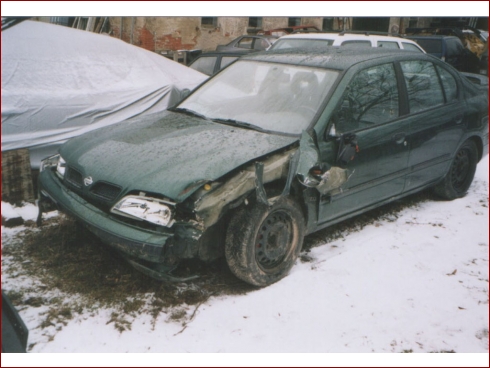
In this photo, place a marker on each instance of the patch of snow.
(417, 282)
(28, 211)
(8, 211)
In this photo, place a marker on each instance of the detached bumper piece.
(14, 331)
(159, 272)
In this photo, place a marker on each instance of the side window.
(245, 43)
(225, 60)
(261, 44)
(204, 64)
(370, 99)
(410, 47)
(449, 84)
(454, 47)
(356, 43)
(388, 44)
(424, 89)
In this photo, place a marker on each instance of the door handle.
(458, 119)
(399, 138)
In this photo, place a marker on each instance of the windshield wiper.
(188, 112)
(241, 124)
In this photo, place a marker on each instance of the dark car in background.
(276, 146)
(484, 63)
(248, 43)
(210, 63)
(287, 30)
(451, 50)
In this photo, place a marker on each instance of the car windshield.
(303, 43)
(264, 96)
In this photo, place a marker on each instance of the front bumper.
(135, 242)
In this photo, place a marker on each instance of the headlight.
(50, 161)
(148, 209)
(61, 167)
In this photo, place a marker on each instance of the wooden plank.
(17, 186)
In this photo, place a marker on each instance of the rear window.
(388, 44)
(431, 46)
(410, 47)
(422, 81)
(356, 44)
(245, 43)
(303, 43)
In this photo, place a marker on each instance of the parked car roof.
(248, 43)
(215, 59)
(447, 31)
(331, 58)
(338, 39)
(286, 30)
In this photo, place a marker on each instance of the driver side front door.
(371, 111)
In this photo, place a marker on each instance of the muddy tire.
(263, 243)
(461, 173)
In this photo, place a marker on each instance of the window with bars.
(209, 21)
(294, 21)
(412, 22)
(327, 24)
(255, 22)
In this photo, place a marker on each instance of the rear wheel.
(460, 174)
(262, 243)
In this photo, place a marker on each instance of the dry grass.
(63, 256)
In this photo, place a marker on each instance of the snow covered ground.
(415, 282)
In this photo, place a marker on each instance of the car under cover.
(59, 82)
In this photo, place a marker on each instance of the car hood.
(170, 153)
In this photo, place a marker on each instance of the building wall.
(187, 33)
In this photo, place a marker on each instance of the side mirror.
(347, 149)
(331, 132)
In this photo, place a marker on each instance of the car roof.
(335, 36)
(224, 53)
(333, 57)
(434, 37)
(259, 36)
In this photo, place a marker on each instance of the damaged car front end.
(263, 153)
(160, 189)
(153, 231)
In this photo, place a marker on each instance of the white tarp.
(59, 82)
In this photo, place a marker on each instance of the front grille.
(73, 177)
(105, 190)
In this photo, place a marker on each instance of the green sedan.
(276, 146)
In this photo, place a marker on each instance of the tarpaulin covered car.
(59, 82)
(275, 146)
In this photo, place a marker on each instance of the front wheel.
(461, 173)
(262, 243)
